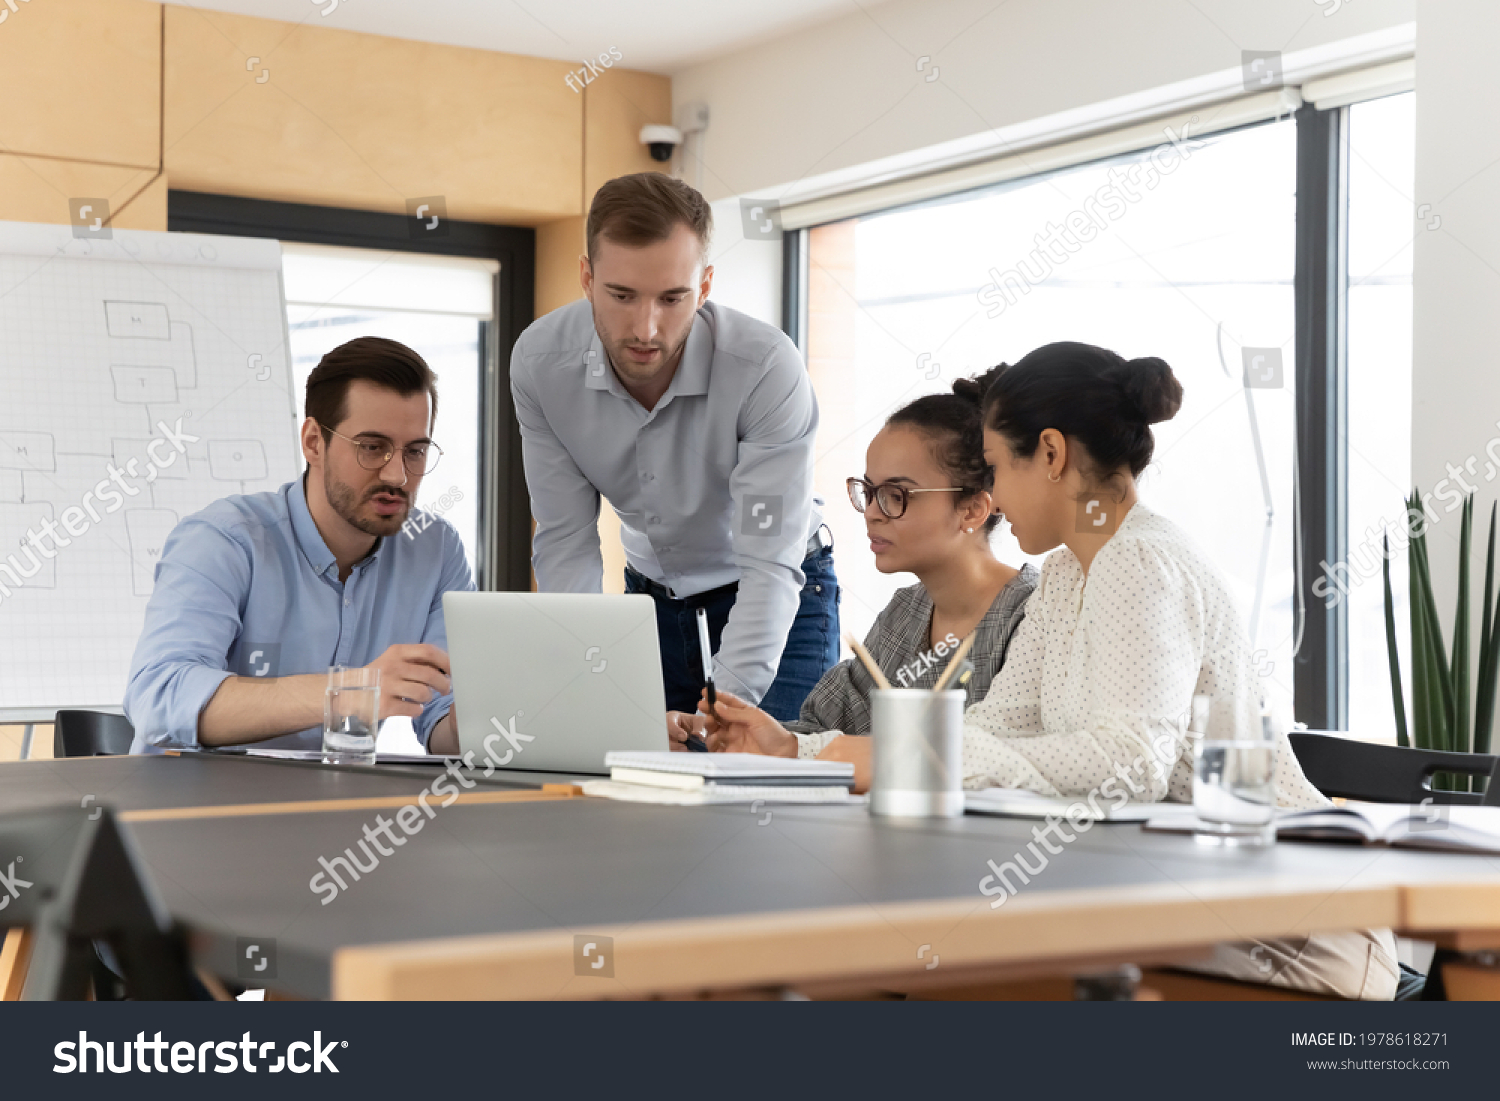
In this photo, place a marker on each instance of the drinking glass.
(1234, 775)
(351, 715)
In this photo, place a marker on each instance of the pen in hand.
(706, 648)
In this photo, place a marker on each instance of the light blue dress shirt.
(714, 485)
(247, 587)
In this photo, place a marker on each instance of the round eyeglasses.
(891, 497)
(374, 453)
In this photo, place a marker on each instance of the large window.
(1382, 220)
(1196, 265)
(1196, 268)
(438, 306)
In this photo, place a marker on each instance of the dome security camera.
(661, 140)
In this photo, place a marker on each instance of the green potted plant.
(1440, 688)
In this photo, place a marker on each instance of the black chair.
(1344, 768)
(91, 734)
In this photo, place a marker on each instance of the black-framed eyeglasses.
(374, 453)
(890, 496)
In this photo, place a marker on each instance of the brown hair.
(645, 207)
(374, 359)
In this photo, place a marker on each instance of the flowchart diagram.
(147, 376)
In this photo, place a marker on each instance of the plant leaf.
(1436, 654)
(1393, 658)
(1459, 669)
(1489, 652)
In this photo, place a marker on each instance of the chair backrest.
(91, 734)
(1349, 769)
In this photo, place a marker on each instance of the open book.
(1400, 825)
(1018, 803)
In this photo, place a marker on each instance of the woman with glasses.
(925, 496)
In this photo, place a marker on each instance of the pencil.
(869, 663)
(954, 662)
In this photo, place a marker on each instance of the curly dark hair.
(954, 428)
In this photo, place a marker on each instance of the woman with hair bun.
(925, 495)
(1129, 622)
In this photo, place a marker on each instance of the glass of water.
(1234, 776)
(351, 716)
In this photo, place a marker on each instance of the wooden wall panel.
(558, 246)
(620, 102)
(81, 80)
(37, 189)
(345, 119)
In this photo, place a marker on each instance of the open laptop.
(554, 680)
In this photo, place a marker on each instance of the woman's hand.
(741, 728)
(856, 750)
(680, 725)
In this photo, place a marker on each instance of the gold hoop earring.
(1054, 477)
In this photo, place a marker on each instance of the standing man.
(697, 423)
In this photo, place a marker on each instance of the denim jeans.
(812, 644)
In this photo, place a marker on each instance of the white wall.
(849, 91)
(1456, 311)
(747, 273)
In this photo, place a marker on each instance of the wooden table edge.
(876, 943)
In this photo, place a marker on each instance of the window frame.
(1320, 296)
(503, 556)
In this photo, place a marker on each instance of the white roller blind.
(1361, 84)
(1331, 75)
(318, 275)
(1045, 158)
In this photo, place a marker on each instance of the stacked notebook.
(698, 779)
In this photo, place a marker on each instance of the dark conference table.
(499, 894)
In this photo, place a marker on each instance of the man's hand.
(856, 749)
(410, 677)
(745, 729)
(680, 726)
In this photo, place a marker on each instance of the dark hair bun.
(1090, 394)
(974, 389)
(1150, 389)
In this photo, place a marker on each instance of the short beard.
(668, 354)
(344, 502)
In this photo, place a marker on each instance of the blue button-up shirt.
(248, 587)
(713, 485)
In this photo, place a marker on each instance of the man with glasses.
(696, 422)
(257, 595)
